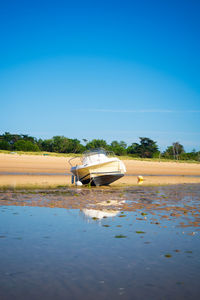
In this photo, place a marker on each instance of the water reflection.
(180, 203)
(99, 214)
(144, 247)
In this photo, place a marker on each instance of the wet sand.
(103, 243)
(173, 200)
(47, 171)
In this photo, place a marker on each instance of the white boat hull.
(99, 174)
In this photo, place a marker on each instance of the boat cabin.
(94, 156)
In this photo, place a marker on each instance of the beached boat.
(97, 168)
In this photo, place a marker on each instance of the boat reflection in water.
(99, 214)
(106, 211)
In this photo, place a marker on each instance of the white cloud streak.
(140, 111)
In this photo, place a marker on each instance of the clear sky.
(114, 70)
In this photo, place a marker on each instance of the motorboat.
(97, 167)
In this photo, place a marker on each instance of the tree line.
(146, 148)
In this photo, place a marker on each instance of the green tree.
(26, 137)
(22, 145)
(119, 148)
(146, 149)
(4, 145)
(77, 146)
(9, 139)
(174, 151)
(96, 143)
(60, 144)
(46, 145)
(133, 149)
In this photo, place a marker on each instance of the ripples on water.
(138, 243)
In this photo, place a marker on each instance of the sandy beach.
(47, 171)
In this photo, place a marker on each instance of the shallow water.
(135, 243)
(65, 174)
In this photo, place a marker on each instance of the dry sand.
(52, 171)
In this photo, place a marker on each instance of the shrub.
(22, 145)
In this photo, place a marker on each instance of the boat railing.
(78, 158)
(110, 153)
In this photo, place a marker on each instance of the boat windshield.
(95, 152)
(95, 155)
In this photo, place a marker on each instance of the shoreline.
(49, 171)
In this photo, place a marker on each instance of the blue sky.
(115, 70)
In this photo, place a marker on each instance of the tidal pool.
(131, 243)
